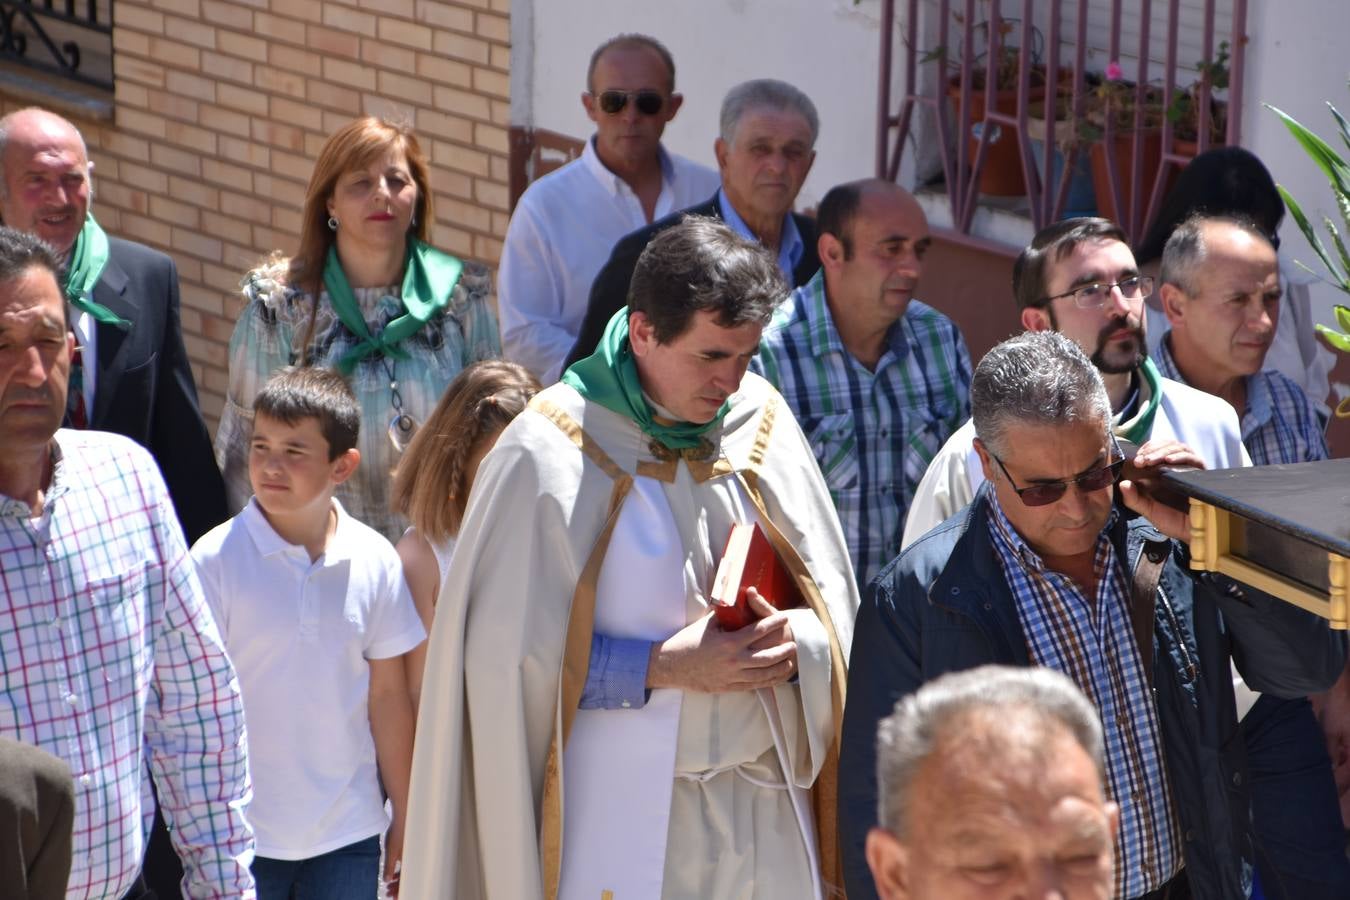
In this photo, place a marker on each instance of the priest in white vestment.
(587, 730)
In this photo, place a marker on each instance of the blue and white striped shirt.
(873, 433)
(1091, 640)
(1280, 423)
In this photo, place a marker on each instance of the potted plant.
(1063, 143)
(1337, 171)
(1002, 172)
(1184, 110)
(1120, 117)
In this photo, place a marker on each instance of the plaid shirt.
(1280, 424)
(107, 651)
(873, 433)
(1093, 643)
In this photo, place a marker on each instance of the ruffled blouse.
(267, 337)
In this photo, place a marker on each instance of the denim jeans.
(347, 873)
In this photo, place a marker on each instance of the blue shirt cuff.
(617, 678)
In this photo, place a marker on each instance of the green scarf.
(429, 278)
(88, 256)
(609, 377)
(1140, 427)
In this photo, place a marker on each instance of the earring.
(412, 223)
(332, 223)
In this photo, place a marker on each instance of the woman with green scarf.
(366, 295)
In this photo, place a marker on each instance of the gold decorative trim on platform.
(1212, 551)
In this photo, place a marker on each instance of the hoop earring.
(332, 223)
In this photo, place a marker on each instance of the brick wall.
(222, 105)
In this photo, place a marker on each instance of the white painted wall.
(1298, 63)
(828, 48)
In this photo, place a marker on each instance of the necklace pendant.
(402, 427)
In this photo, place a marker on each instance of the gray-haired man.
(992, 787)
(1043, 569)
(765, 150)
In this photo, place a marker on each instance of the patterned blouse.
(266, 338)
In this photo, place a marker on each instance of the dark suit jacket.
(143, 385)
(609, 291)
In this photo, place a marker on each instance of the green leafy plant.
(1111, 97)
(1336, 259)
(1184, 109)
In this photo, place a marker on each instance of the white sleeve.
(393, 627)
(530, 298)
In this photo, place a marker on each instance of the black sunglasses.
(649, 103)
(1051, 491)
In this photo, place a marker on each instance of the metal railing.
(67, 38)
(1132, 178)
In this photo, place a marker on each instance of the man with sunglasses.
(1078, 277)
(765, 149)
(1044, 569)
(567, 222)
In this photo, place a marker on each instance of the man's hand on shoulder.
(702, 657)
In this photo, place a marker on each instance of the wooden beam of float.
(1284, 530)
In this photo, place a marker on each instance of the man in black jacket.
(766, 148)
(1043, 569)
(132, 376)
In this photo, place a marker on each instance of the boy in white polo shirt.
(316, 617)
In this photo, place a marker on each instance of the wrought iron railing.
(1136, 150)
(61, 37)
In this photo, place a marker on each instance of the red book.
(749, 561)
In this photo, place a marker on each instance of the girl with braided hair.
(432, 483)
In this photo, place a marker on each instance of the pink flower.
(1113, 71)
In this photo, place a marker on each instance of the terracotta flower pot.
(1123, 143)
(1002, 172)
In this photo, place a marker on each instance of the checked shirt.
(108, 654)
(873, 433)
(1091, 640)
(1280, 424)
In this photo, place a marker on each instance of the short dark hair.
(1056, 241)
(629, 42)
(837, 211)
(1185, 248)
(1224, 181)
(296, 393)
(701, 264)
(20, 251)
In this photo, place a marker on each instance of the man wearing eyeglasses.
(1044, 569)
(566, 223)
(765, 149)
(1078, 277)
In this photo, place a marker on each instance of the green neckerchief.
(429, 278)
(88, 256)
(1140, 427)
(609, 377)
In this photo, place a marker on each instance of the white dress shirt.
(560, 235)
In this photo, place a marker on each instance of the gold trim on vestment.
(581, 628)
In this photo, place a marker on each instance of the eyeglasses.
(649, 103)
(1045, 493)
(1094, 295)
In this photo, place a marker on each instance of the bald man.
(877, 379)
(131, 375)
